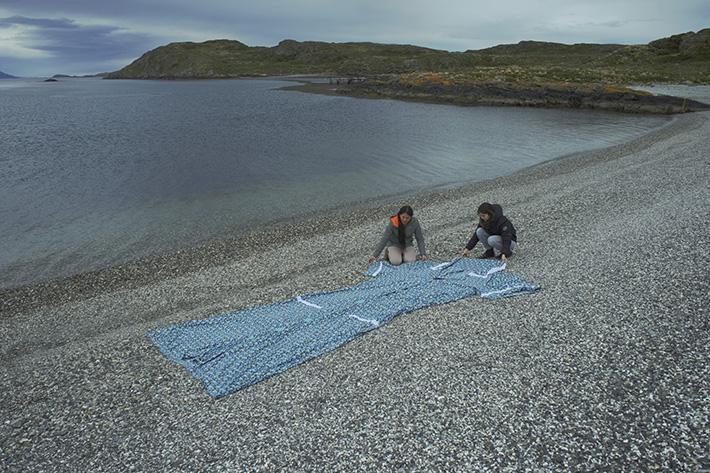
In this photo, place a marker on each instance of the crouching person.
(495, 232)
(398, 238)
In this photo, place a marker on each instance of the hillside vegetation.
(682, 58)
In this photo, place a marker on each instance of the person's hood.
(494, 210)
(497, 211)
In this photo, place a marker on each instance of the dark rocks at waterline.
(528, 95)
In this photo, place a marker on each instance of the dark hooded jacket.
(497, 225)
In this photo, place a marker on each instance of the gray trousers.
(493, 241)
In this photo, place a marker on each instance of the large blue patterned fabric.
(232, 351)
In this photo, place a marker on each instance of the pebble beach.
(605, 369)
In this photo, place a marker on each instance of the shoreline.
(214, 252)
(504, 95)
(606, 368)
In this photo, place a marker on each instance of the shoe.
(489, 253)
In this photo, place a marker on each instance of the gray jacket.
(391, 237)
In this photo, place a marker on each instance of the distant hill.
(227, 58)
(6, 76)
(679, 58)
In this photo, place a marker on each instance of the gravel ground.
(605, 369)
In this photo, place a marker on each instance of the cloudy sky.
(45, 37)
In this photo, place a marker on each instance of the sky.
(44, 37)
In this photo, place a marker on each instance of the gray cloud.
(77, 32)
(73, 41)
(41, 22)
(67, 43)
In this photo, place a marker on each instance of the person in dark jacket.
(494, 231)
(398, 238)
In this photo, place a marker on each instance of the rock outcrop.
(441, 89)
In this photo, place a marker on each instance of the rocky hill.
(679, 58)
(6, 76)
(226, 58)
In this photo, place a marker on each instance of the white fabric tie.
(311, 304)
(367, 321)
(378, 270)
(442, 265)
(489, 272)
(502, 291)
(372, 322)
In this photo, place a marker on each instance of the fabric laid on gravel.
(235, 350)
(606, 369)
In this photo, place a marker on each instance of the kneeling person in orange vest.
(398, 238)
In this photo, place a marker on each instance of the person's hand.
(423, 257)
(465, 252)
(503, 258)
(371, 259)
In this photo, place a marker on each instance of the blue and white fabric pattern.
(234, 350)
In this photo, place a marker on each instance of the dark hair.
(486, 208)
(406, 209)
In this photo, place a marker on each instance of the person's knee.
(394, 255)
(481, 234)
(410, 257)
(495, 241)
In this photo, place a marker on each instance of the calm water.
(96, 172)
